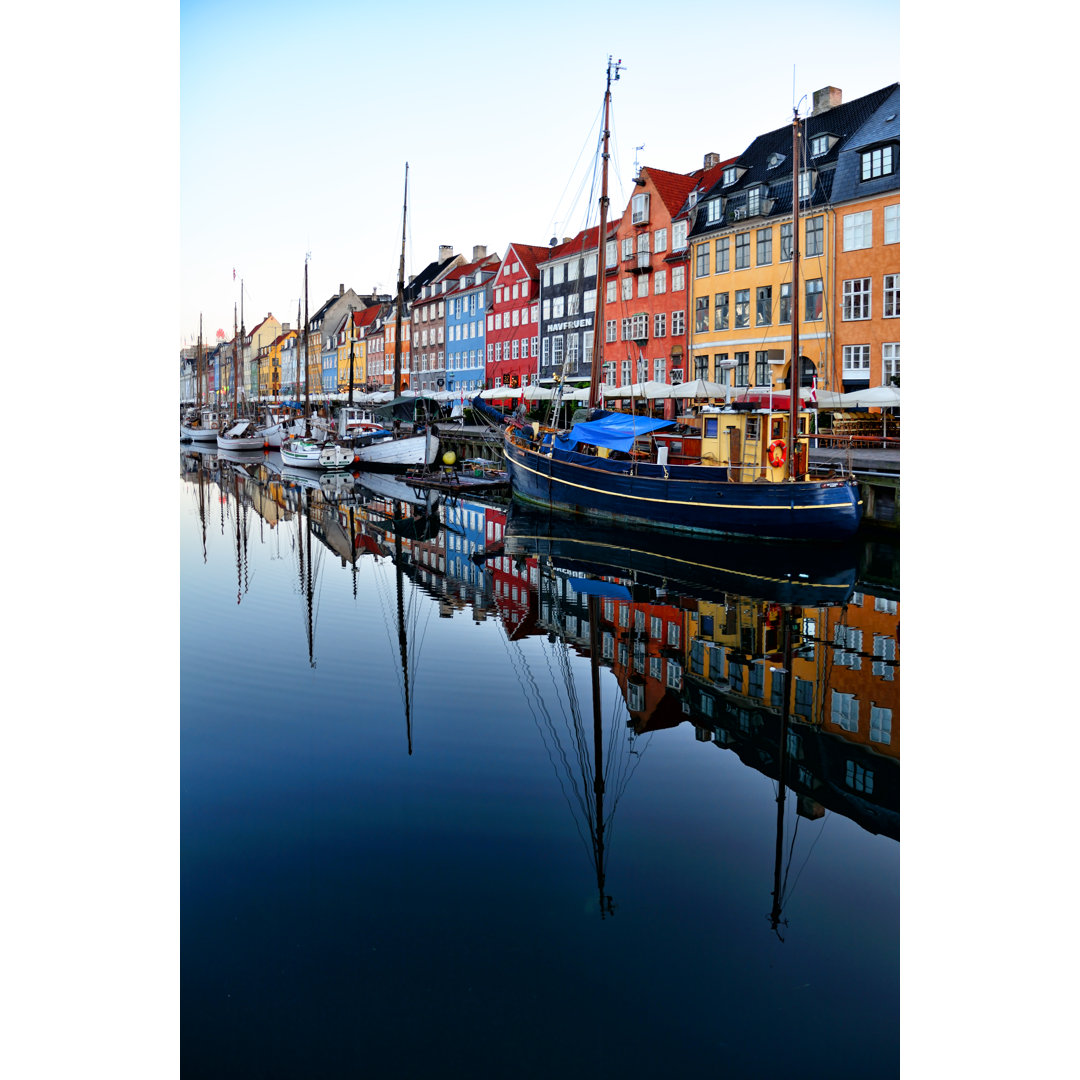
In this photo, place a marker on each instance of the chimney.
(712, 160)
(341, 289)
(446, 251)
(479, 251)
(825, 99)
(285, 327)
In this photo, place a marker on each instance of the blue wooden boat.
(613, 469)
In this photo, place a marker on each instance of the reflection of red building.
(643, 643)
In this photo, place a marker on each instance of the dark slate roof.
(882, 126)
(843, 121)
(426, 277)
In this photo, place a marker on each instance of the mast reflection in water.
(383, 799)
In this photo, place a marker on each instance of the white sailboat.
(200, 424)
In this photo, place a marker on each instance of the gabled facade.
(741, 253)
(568, 305)
(513, 319)
(467, 295)
(256, 346)
(866, 197)
(645, 293)
(325, 321)
(354, 349)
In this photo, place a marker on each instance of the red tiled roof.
(529, 255)
(584, 241)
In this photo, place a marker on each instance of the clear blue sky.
(296, 122)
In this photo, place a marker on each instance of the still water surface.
(503, 819)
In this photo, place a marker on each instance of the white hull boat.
(200, 427)
(298, 453)
(403, 452)
(243, 435)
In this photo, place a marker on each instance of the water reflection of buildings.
(681, 648)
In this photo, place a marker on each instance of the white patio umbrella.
(651, 390)
(880, 397)
(701, 388)
(538, 393)
(828, 399)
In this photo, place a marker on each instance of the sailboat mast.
(403, 641)
(400, 291)
(242, 333)
(307, 381)
(234, 362)
(796, 364)
(199, 369)
(601, 249)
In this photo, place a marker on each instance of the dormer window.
(878, 162)
(714, 211)
(820, 144)
(753, 200)
(807, 181)
(639, 210)
(774, 160)
(731, 174)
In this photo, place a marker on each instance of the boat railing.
(856, 442)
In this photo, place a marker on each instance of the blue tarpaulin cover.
(592, 587)
(616, 431)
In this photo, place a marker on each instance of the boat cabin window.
(776, 428)
(753, 427)
(711, 426)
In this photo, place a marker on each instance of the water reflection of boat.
(392, 487)
(782, 573)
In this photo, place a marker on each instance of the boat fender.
(777, 453)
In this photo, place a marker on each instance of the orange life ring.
(777, 453)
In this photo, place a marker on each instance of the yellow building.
(742, 296)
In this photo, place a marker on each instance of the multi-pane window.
(742, 369)
(762, 371)
(660, 324)
(806, 183)
(764, 305)
(785, 242)
(639, 327)
(742, 250)
(702, 269)
(626, 372)
(785, 303)
(609, 326)
(722, 248)
(819, 145)
(764, 247)
(701, 367)
(721, 315)
(858, 230)
(627, 288)
(858, 778)
(753, 201)
(879, 162)
(813, 305)
(892, 224)
(660, 240)
(857, 301)
(856, 360)
(612, 287)
(678, 235)
(701, 314)
(557, 349)
(742, 308)
(678, 278)
(659, 369)
(571, 347)
(659, 282)
(884, 657)
(880, 725)
(719, 369)
(815, 236)
(642, 375)
(678, 323)
(573, 305)
(891, 297)
(845, 711)
(890, 362)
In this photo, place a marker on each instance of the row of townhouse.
(697, 283)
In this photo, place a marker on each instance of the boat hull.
(198, 434)
(682, 498)
(399, 453)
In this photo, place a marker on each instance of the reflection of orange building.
(863, 678)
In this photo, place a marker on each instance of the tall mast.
(199, 370)
(242, 334)
(352, 349)
(234, 362)
(307, 381)
(796, 363)
(400, 291)
(601, 247)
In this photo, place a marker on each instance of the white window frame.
(858, 230)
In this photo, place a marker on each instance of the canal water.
(473, 792)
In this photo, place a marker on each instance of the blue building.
(468, 296)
